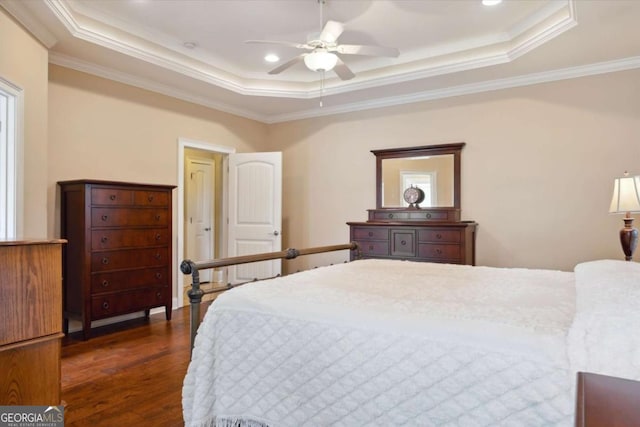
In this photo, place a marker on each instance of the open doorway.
(201, 203)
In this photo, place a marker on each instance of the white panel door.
(255, 212)
(199, 214)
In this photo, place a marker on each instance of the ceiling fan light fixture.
(320, 60)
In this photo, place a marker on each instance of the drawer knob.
(112, 197)
(104, 239)
(370, 247)
(105, 260)
(105, 283)
(157, 256)
(150, 198)
(438, 236)
(158, 236)
(439, 251)
(371, 234)
(428, 215)
(104, 217)
(390, 215)
(158, 275)
(105, 305)
(403, 242)
(158, 295)
(157, 217)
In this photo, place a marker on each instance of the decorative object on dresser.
(432, 232)
(118, 259)
(626, 199)
(602, 400)
(31, 319)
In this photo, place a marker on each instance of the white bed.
(381, 342)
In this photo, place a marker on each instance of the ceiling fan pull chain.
(321, 10)
(321, 88)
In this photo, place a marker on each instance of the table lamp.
(626, 199)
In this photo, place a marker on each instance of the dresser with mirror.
(417, 213)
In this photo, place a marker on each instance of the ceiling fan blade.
(283, 43)
(355, 49)
(289, 63)
(343, 71)
(331, 31)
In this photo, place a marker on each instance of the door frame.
(210, 162)
(200, 145)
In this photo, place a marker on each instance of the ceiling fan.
(324, 48)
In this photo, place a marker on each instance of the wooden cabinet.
(118, 259)
(450, 242)
(30, 322)
(399, 228)
(604, 401)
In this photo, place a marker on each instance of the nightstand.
(607, 401)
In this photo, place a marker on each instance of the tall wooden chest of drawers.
(30, 322)
(118, 257)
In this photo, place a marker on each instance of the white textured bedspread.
(381, 343)
(604, 337)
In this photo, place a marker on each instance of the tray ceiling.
(196, 50)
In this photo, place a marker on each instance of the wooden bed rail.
(193, 268)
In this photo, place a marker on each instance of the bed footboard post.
(195, 296)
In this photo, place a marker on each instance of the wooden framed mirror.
(435, 169)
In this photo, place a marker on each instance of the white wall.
(23, 62)
(537, 170)
(100, 129)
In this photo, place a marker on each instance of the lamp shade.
(320, 59)
(626, 195)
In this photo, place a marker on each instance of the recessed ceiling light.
(491, 2)
(272, 58)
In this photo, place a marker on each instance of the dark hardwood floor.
(128, 374)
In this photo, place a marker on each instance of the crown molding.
(101, 34)
(528, 35)
(553, 25)
(468, 89)
(141, 83)
(26, 19)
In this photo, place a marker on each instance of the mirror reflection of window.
(438, 194)
(426, 181)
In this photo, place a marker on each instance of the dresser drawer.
(128, 279)
(371, 248)
(111, 196)
(370, 233)
(125, 302)
(441, 252)
(125, 217)
(416, 215)
(115, 239)
(151, 198)
(439, 235)
(135, 258)
(419, 215)
(403, 243)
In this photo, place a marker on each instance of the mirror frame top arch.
(426, 150)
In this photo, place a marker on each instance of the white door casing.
(255, 212)
(199, 218)
(179, 247)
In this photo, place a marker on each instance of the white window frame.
(11, 159)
